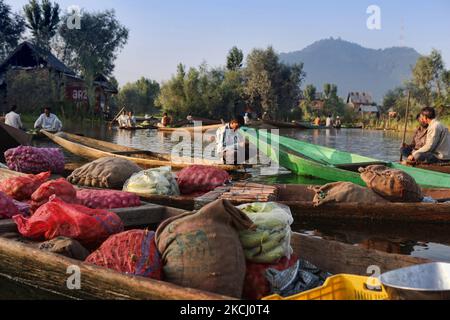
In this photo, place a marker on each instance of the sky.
(164, 33)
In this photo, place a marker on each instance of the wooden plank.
(337, 257)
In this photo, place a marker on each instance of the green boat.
(308, 159)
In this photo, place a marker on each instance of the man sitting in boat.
(229, 141)
(437, 143)
(131, 121)
(317, 121)
(338, 123)
(13, 119)
(329, 121)
(165, 120)
(189, 118)
(48, 121)
(419, 139)
(123, 119)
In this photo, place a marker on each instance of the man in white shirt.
(123, 120)
(329, 121)
(48, 121)
(230, 141)
(437, 145)
(13, 119)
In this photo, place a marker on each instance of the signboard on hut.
(76, 93)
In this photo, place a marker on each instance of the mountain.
(353, 67)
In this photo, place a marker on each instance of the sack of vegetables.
(153, 181)
(271, 240)
(34, 160)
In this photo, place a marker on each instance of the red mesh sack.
(256, 286)
(107, 199)
(57, 218)
(21, 188)
(133, 252)
(199, 178)
(60, 188)
(7, 207)
(28, 159)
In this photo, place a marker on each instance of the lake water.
(427, 242)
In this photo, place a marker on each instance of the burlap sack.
(108, 173)
(392, 184)
(202, 250)
(66, 247)
(342, 192)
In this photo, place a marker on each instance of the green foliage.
(31, 91)
(271, 86)
(11, 28)
(42, 20)
(139, 96)
(429, 87)
(234, 59)
(92, 49)
(310, 92)
(204, 92)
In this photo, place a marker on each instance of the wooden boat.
(282, 124)
(330, 164)
(11, 137)
(138, 128)
(438, 167)
(192, 129)
(300, 199)
(90, 148)
(24, 263)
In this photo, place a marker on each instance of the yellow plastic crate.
(342, 287)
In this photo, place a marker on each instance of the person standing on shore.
(48, 121)
(13, 119)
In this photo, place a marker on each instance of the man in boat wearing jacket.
(419, 139)
(437, 144)
(230, 141)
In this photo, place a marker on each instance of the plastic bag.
(132, 252)
(28, 159)
(21, 188)
(153, 181)
(271, 240)
(61, 188)
(57, 218)
(107, 199)
(198, 178)
(7, 207)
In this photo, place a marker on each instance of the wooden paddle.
(406, 124)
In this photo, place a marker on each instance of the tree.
(429, 83)
(93, 48)
(310, 92)
(42, 20)
(234, 59)
(272, 86)
(11, 28)
(139, 96)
